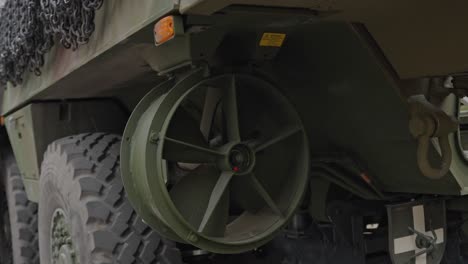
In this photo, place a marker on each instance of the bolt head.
(154, 137)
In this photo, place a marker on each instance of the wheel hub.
(66, 255)
(62, 248)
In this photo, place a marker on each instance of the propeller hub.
(241, 158)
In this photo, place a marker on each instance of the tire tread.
(117, 231)
(23, 217)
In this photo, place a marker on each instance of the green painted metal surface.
(21, 133)
(351, 103)
(208, 7)
(390, 22)
(324, 67)
(459, 165)
(116, 22)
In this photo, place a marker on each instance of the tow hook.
(425, 243)
(427, 122)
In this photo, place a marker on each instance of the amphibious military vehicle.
(229, 131)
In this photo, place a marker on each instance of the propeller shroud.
(217, 162)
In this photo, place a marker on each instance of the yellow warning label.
(272, 39)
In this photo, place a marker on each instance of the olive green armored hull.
(228, 124)
(122, 54)
(413, 41)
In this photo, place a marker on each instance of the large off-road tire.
(19, 220)
(84, 214)
(5, 237)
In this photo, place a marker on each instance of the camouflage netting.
(28, 29)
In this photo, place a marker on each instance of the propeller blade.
(185, 143)
(218, 204)
(185, 127)
(216, 225)
(191, 194)
(257, 185)
(283, 135)
(244, 195)
(212, 98)
(180, 151)
(231, 111)
(250, 194)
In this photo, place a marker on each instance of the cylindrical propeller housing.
(218, 162)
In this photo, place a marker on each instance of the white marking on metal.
(372, 226)
(408, 244)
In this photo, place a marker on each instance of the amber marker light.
(164, 30)
(366, 178)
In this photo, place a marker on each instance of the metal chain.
(28, 29)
